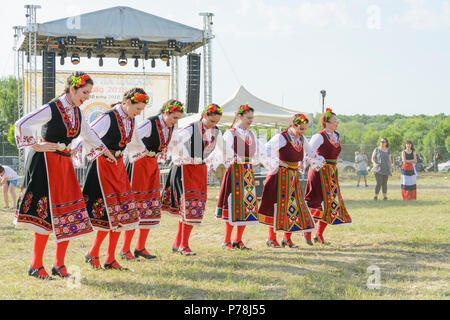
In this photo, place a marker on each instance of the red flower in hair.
(244, 108)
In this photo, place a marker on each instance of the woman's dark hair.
(409, 142)
(387, 142)
(324, 119)
(128, 95)
(1, 169)
(168, 103)
(241, 112)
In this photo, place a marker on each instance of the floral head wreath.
(214, 108)
(139, 97)
(328, 113)
(301, 119)
(79, 81)
(244, 108)
(176, 106)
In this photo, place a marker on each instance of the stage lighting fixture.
(146, 56)
(100, 59)
(153, 63)
(109, 42)
(122, 59)
(145, 50)
(164, 55)
(89, 53)
(61, 60)
(71, 41)
(136, 61)
(135, 43)
(99, 46)
(172, 44)
(168, 63)
(75, 58)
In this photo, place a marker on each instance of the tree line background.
(428, 133)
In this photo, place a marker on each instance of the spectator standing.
(409, 173)
(382, 167)
(436, 158)
(8, 179)
(361, 166)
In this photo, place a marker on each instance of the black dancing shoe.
(89, 259)
(237, 245)
(110, 266)
(175, 249)
(288, 243)
(186, 253)
(35, 273)
(140, 253)
(319, 240)
(309, 242)
(57, 272)
(227, 245)
(272, 244)
(123, 255)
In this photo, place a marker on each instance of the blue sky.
(372, 57)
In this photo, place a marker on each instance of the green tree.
(8, 104)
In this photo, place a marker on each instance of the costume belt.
(117, 154)
(291, 165)
(151, 154)
(331, 162)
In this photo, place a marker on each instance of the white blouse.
(317, 139)
(261, 156)
(181, 155)
(26, 127)
(136, 148)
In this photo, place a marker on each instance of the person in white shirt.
(361, 166)
(8, 179)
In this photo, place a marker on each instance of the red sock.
(127, 237)
(287, 236)
(272, 234)
(321, 229)
(40, 241)
(142, 239)
(239, 232)
(95, 250)
(228, 231)
(187, 228)
(112, 245)
(307, 235)
(176, 243)
(61, 249)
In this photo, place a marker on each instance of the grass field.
(408, 242)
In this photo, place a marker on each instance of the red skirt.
(52, 199)
(185, 192)
(146, 186)
(109, 198)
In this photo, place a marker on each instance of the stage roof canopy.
(132, 30)
(266, 113)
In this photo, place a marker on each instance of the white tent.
(266, 113)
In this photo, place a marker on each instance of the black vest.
(153, 143)
(113, 137)
(55, 130)
(196, 144)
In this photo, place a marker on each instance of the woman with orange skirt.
(51, 199)
(110, 202)
(238, 205)
(282, 206)
(152, 140)
(323, 185)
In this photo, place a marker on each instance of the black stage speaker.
(193, 82)
(48, 76)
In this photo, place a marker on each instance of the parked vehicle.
(444, 167)
(346, 166)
